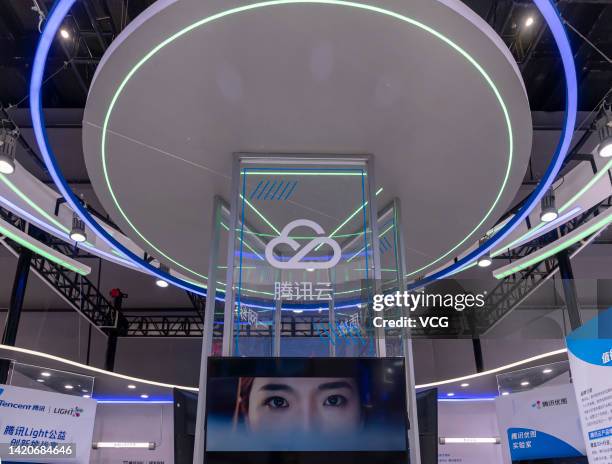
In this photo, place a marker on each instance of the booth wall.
(470, 419)
(142, 422)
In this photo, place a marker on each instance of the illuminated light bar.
(470, 440)
(97, 370)
(539, 230)
(602, 172)
(594, 225)
(195, 389)
(119, 444)
(41, 249)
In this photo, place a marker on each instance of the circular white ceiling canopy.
(425, 86)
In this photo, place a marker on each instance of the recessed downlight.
(64, 34)
(450, 394)
(505, 393)
(45, 374)
(524, 383)
(40, 380)
(547, 371)
(144, 396)
(68, 387)
(465, 384)
(132, 386)
(529, 21)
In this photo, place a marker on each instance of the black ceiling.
(94, 23)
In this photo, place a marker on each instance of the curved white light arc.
(495, 370)
(97, 370)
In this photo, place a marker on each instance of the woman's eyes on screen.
(276, 402)
(335, 401)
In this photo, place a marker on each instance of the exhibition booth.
(328, 181)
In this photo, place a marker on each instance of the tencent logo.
(297, 260)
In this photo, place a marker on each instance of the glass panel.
(43, 378)
(303, 238)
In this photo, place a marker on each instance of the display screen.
(306, 405)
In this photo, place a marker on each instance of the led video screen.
(301, 405)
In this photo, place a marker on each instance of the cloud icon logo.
(296, 261)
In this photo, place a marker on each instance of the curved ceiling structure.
(457, 10)
(306, 77)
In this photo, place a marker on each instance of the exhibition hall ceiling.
(172, 113)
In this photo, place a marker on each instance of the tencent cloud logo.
(1, 391)
(296, 261)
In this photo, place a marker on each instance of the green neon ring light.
(272, 3)
(61, 9)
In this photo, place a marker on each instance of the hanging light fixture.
(604, 129)
(159, 281)
(548, 208)
(77, 233)
(8, 145)
(485, 260)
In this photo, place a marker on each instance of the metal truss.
(516, 288)
(76, 290)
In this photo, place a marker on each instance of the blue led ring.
(61, 9)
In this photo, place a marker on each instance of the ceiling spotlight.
(64, 33)
(68, 387)
(132, 387)
(524, 383)
(604, 129)
(144, 396)
(450, 394)
(40, 380)
(505, 393)
(310, 269)
(86, 396)
(8, 145)
(548, 211)
(45, 374)
(159, 281)
(485, 260)
(546, 371)
(77, 233)
(464, 385)
(529, 21)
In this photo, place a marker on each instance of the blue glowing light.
(62, 7)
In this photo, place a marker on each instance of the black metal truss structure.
(77, 290)
(93, 25)
(505, 297)
(516, 288)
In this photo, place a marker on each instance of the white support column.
(413, 431)
(207, 332)
(379, 332)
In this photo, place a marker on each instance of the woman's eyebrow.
(276, 387)
(335, 385)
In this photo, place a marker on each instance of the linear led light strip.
(562, 208)
(539, 230)
(582, 232)
(195, 389)
(119, 444)
(543, 227)
(470, 440)
(41, 249)
(60, 233)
